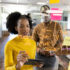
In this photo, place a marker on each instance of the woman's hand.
(21, 59)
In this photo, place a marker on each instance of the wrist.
(38, 50)
(18, 66)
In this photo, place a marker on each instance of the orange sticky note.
(54, 1)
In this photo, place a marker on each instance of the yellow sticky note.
(66, 41)
(69, 66)
(54, 1)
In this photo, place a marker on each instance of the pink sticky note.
(56, 14)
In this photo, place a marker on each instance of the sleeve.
(60, 36)
(34, 50)
(35, 34)
(8, 60)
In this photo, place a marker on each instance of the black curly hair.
(30, 20)
(12, 21)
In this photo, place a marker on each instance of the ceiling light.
(42, 3)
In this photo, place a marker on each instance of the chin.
(24, 35)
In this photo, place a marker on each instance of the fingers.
(22, 57)
(24, 54)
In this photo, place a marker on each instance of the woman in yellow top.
(21, 48)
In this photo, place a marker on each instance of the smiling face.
(23, 27)
(46, 16)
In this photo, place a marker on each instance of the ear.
(16, 28)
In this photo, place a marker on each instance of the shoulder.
(7, 47)
(38, 27)
(56, 23)
(58, 26)
(32, 40)
(9, 44)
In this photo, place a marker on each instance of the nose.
(25, 29)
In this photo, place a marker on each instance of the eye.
(21, 26)
(28, 26)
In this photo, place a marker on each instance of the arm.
(35, 34)
(9, 63)
(36, 37)
(60, 36)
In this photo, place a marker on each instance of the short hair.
(12, 21)
(44, 7)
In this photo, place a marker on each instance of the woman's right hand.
(21, 59)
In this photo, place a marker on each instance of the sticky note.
(54, 1)
(56, 14)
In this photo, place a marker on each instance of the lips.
(25, 33)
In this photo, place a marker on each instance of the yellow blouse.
(12, 49)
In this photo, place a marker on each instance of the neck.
(23, 35)
(47, 22)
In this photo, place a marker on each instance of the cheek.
(28, 29)
(20, 30)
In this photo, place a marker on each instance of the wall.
(0, 24)
(68, 26)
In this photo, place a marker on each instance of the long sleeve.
(60, 36)
(35, 34)
(9, 63)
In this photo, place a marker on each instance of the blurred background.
(32, 7)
